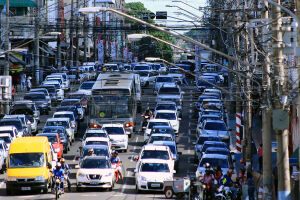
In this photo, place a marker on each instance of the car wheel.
(137, 190)
(169, 192)
(78, 189)
(125, 150)
(9, 191)
(45, 190)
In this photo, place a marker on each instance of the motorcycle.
(116, 166)
(57, 189)
(145, 121)
(207, 191)
(223, 193)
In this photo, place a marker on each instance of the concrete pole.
(95, 36)
(266, 115)
(6, 66)
(284, 189)
(37, 44)
(58, 37)
(85, 32)
(298, 100)
(71, 34)
(77, 36)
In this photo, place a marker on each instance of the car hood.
(169, 96)
(215, 132)
(157, 176)
(117, 137)
(96, 171)
(86, 92)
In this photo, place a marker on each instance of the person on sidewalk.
(251, 186)
(260, 157)
(13, 92)
(23, 82)
(29, 85)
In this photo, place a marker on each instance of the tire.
(56, 193)
(45, 190)
(137, 190)
(125, 150)
(169, 192)
(78, 189)
(9, 191)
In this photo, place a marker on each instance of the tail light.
(130, 124)
(92, 125)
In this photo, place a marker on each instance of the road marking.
(189, 141)
(137, 138)
(125, 184)
(88, 195)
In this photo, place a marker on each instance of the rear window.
(151, 124)
(115, 130)
(149, 154)
(58, 123)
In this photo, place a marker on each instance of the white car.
(65, 122)
(161, 80)
(68, 114)
(157, 152)
(4, 150)
(154, 122)
(94, 132)
(96, 141)
(169, 115)
(95, 171)
(65, 79)
(25, 121)
(12, 130)
(59, 78)
(160, 137)
(59, 91)
(117, 135)
(5, 137)
(151, 174)
(86, 87)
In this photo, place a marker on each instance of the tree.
(149, 47)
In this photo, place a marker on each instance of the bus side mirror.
(49, 165)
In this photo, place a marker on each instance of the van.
(29, 165)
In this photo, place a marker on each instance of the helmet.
(207, 165)
(58, 164)
(62, 160)
(116, 153)
(91, 150)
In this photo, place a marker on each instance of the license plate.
(113, 144)
(155, 185)
(25, 188)
(94, 183)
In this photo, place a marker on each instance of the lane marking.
(125, 184)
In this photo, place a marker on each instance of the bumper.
(153, 186)
(26, 186)
(119, 145)
(94, 184)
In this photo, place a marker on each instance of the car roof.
(64, 112)
(217, 149)
(155, 161)
(54, 127)
(215, 121)
(213, 142)
(161, 134)
(95, 131)
(164, 143)
(155, 147)
(96, 158)
(166, 102)
(166, 111)
(166, 127)
(47, 134)
(96, 139)
(208, 136)
(158, 120)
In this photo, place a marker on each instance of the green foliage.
(149, 47)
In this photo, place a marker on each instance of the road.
(126, 190)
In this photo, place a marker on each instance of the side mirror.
(76, 166)
(135, 170)
(174, 171)
(49, 165)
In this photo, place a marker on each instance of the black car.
(39, 98)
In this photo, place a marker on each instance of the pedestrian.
(251, 186)
(29, 85)
(13, 91)
(260, 157)
(23, 82)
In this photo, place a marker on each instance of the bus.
(116, 98)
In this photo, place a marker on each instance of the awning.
(19, 3)
(47, 50)
(15, 60)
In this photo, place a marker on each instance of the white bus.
(116, 98)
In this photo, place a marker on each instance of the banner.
(100, 52)
(113, 51)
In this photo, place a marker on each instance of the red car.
(57, 144)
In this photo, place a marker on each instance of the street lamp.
(88, 10)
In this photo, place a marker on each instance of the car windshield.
(201, 140)
(58, 123)
(172, 148)
(165, 79)
(166, 107)
(141, 67)
(223, 163)
(97, 152)
(169, 90)
(16, 123)
(26, 160)
(53, 130)
(8, 131)
(96, 143)
(215, 126)
(155, 154)
(216, 151)
(86, 86)
(163, 130)
(115, 130)
(160, 138)
(5, 139)
(151, 124)
(35, 97)
(143, 74)
(64, 115)
(205, 146)
(95, 135)
(95, 163)
(52, 139)
(155, 167)
(168, 116)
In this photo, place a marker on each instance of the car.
(97, 141)
(62, 135)
(52, 92)
(24, 105)
(66, 80)
(12, 130)
(59, 91)
(33, 124)
(173, 148)
(65, 122)
(200, 141)
(5, 137)
(157, 152)
(221, 151)
(4, 150)
(24, 119)
(160, 137)
(39, 98)
(214, 160)
(54, 139)
(83, 98)
(71, 109)
(169, 115)
(204, 118)
(146, 78)
(208, 144)
(95, 171)
(45, 91)
(216, 127)
(154, 122)
(70, 115)
(99, 150)
(95, 132)
(58, 78)
(2, 162)
(86, 87)
(150, 174)
(170, 93)
(168, 106)
(28, 112)
(163, 130)
(161, 80)
(74, 102)
(14, 122)
(118, 136)
(205, 82)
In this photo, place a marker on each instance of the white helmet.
(58, 164)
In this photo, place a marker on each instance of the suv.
(117, 135)
(27, 104)
(154, 122)
(39, 98)
(65, 122)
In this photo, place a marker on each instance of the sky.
(160, 5)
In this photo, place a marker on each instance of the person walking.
(23, 82)
(251, 186)
(29, 85)
(13, 92)
(260, 157)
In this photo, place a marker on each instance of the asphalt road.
(126, 190)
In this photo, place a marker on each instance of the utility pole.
(58, 37)
(266, 112)
(77, 35)
(298, 100)
(280, 114)
(85, 31)
(95, 35)
(37, 44)
(71, 34)
(6, 67)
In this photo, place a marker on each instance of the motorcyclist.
(148, 114)
(59, 173)
(116, 160)
(66, 168)
(208, 178)
(226, 181)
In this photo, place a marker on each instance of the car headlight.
(81, 175)
(143, 178)
(40, 178)
(109, 174)
(11, 178)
